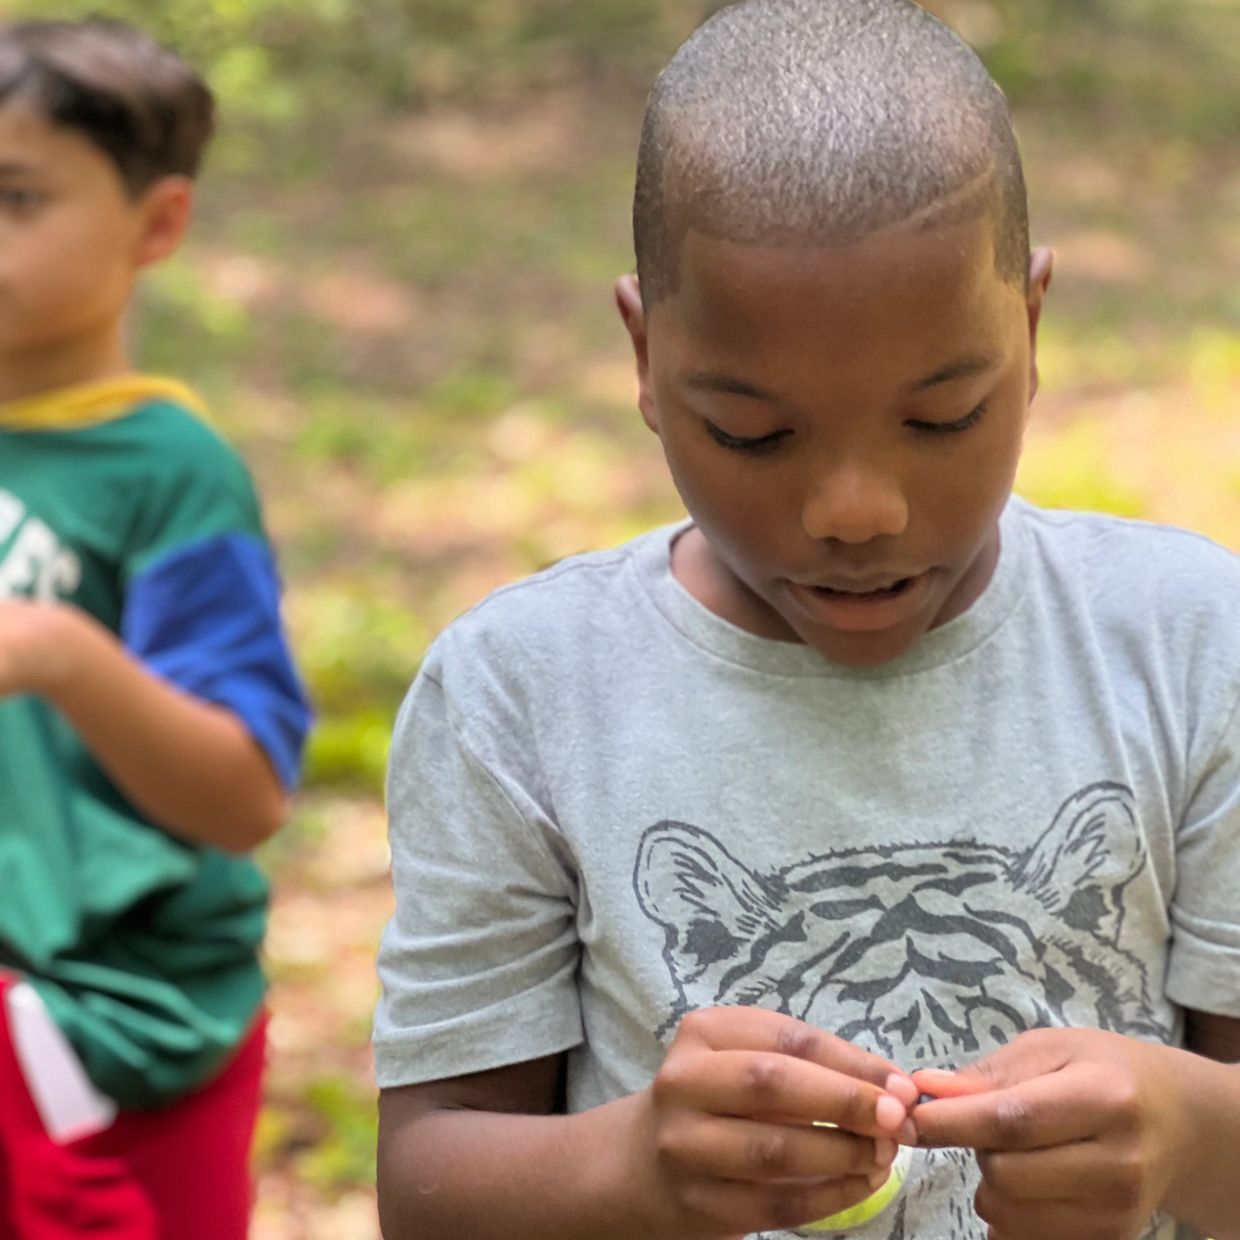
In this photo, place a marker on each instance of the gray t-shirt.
(610, 807)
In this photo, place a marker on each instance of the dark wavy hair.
(138, 102)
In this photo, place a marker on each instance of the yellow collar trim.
(87, 404)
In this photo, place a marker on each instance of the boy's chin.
(864, 649)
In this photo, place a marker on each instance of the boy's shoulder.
(1160, 580)
(180, 435)
(590, 597)
(1130, 549)
(183, 478)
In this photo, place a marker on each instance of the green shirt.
(143, 946)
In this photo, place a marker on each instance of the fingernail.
(890, 1112)
(878, 1179)
(906, 1134)
(902, 1087)
(885, 1151)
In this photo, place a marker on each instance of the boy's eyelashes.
(950, 428)
(742, 443)
(762, 443)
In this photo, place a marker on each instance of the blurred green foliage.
(262, 55)
(330, 1141)
(397, 293)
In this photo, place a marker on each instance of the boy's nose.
(850, 504)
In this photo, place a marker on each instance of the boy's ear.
(166, 210)
(629, 303)
(1041, 267)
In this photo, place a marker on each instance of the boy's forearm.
(190, 765)
(480, 1175)
(1206, 1191)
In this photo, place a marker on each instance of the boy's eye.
(740, 443)
(950, 428)
(19, 200)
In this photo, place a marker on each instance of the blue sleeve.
(206, 616)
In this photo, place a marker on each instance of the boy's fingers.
(1046, 1111)
(755, 1029)
(739, 1149)
(943, 1084)
(1030, 1055)
(755, 1083)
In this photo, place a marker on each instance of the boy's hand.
(1077, 1131)
(725, 1140)
(27, 644)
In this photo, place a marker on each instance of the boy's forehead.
(25, 129)
(31, 140)
(20, 119)
(944, 266)
(914, 291)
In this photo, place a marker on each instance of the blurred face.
(843, 425)
(71, 240)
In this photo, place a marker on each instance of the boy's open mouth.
(891, 591)
(867, 607)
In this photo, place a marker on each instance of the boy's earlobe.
(167, 207)
(629, 303)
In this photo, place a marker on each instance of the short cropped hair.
(138, 102)
(818, 122)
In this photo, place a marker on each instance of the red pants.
(181, 1173)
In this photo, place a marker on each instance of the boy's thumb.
(944, 1083)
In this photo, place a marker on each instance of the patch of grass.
(1069, 469)
(350, 750)
(469, 392)
(344, 1156)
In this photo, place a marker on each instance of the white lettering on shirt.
(36, 564)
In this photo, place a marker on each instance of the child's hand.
(725, 1143)
(1077, 1132)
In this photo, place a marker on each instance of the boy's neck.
(34, 372)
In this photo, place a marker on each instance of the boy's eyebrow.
(715, 381)
(712, 381)
(960, 368)
(15, 168)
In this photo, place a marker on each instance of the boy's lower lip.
(862, 613)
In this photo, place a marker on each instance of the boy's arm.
(1216, 1037)
(720, 1145)
(190, 765)
(486, 1155)
(1208, 1195)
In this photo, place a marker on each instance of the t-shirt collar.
(948, 642)
(102, 400)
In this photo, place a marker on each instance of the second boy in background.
(867, 771)
(151, 722)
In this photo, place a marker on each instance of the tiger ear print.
(708, 903)
(1080, 867)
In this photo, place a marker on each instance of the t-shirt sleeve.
(1204, 967)
(478, 963)
(202, 593)
(206, 617)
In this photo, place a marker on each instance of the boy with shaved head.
(872, 826)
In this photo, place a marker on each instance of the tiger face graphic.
(927, 954)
